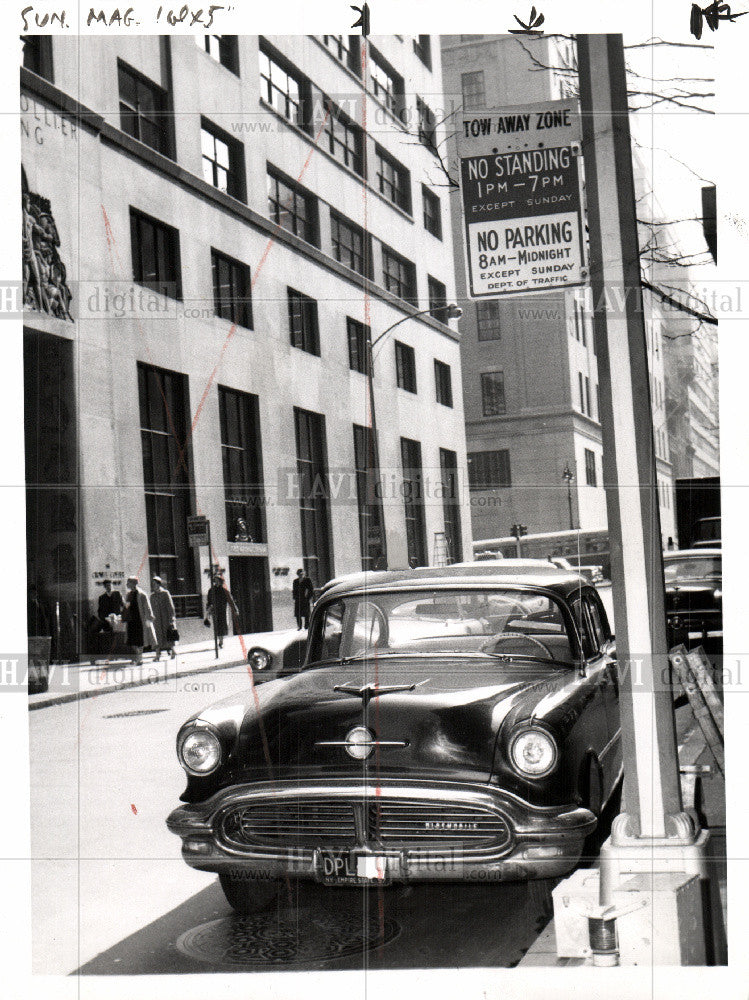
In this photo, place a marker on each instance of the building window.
(239, 415)
(369, 499)
(393, 180)
(590, 467)
(223, 160)
(305, 333)
(223, 48)
(405, 367)
(451, 504)
(581, 387)
(36, 55)
(413, 494)
(432, 213)
(232, 289)
(493, 393)
(489, 470)
(344, 139)
(359, 335)
(487, 319)
(167, 469)
(156, 258)
(387, 85)
(283, 89)
(351, 244)
(143, 110)
(443, 383)
(474, 93)
(437, 294)
(423, 49)
(426, 124)
(587, 397)
(346, 49)
(398, 275)
(312, 469)
(292, 208)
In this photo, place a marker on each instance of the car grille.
(425, 823)
(295, 824)
(396, 823)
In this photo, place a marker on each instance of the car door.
(605, 663)
(597, 733)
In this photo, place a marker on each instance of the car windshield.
(506, 623)
(692, 568)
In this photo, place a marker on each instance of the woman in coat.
(164, 619)
(139, 617)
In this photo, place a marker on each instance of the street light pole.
(568, 476)
(452, 311)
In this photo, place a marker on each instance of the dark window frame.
(422, 45)
(451, 506)
(369, 499)
(235, 172)
(344, 138)
(399, 275)
(591, 477)
(168, 239)
(488, 328)
(36, 56)
(405, 367)
(391, 92)
(359, 260)
(489, 470)
(358, 335)
(228, 51)
(432, 212)
(314, 507)
(304, 325)
(276, 209)
(242, 463)
(393, 180)
(491, 406)
(437, 298)
(296, 107)
(336, 46)
(443, 383)
(237, 306)
(482, 90)
(413, 501)
(427, 124)
(145, 126)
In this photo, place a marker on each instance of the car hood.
(686, 594)
(448, 722)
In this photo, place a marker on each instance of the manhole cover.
(292, 937)
(136, 711)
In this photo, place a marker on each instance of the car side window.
(583, 626)
(330, 647)
(598, 625)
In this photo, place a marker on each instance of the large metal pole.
(652, 796)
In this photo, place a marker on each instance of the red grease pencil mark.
(135, 811)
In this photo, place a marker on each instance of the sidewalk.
(74, 681)
(712, 807)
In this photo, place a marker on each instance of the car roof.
(692, 553)
(500, 572)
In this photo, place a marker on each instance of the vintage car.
(275, 654)
(694, 598)
(455, 723)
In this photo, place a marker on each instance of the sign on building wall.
(198, 530)
(522, 206)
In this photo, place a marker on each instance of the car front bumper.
(539, 842)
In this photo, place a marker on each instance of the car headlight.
(718, 595)
(199, 751)
(533, 752)
(259, 659)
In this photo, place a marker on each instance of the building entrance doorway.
(250, 588)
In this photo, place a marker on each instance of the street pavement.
(111, 894)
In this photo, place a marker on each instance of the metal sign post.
(520, 187)
(653, 833)
(199, 534)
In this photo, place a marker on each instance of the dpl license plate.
(347, 867)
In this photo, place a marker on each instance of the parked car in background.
(451, 723)
(694, 598)
(275, 654)
(707, 533)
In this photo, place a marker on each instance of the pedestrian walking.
(139, 617)
(302, 591)
(164, 618)
(219, 598)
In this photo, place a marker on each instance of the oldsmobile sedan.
(458, 723)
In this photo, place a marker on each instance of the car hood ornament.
(369, 691)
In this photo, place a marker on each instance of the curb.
(61, 699)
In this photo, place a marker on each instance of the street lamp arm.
(453, 312)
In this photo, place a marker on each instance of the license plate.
(347, 867)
